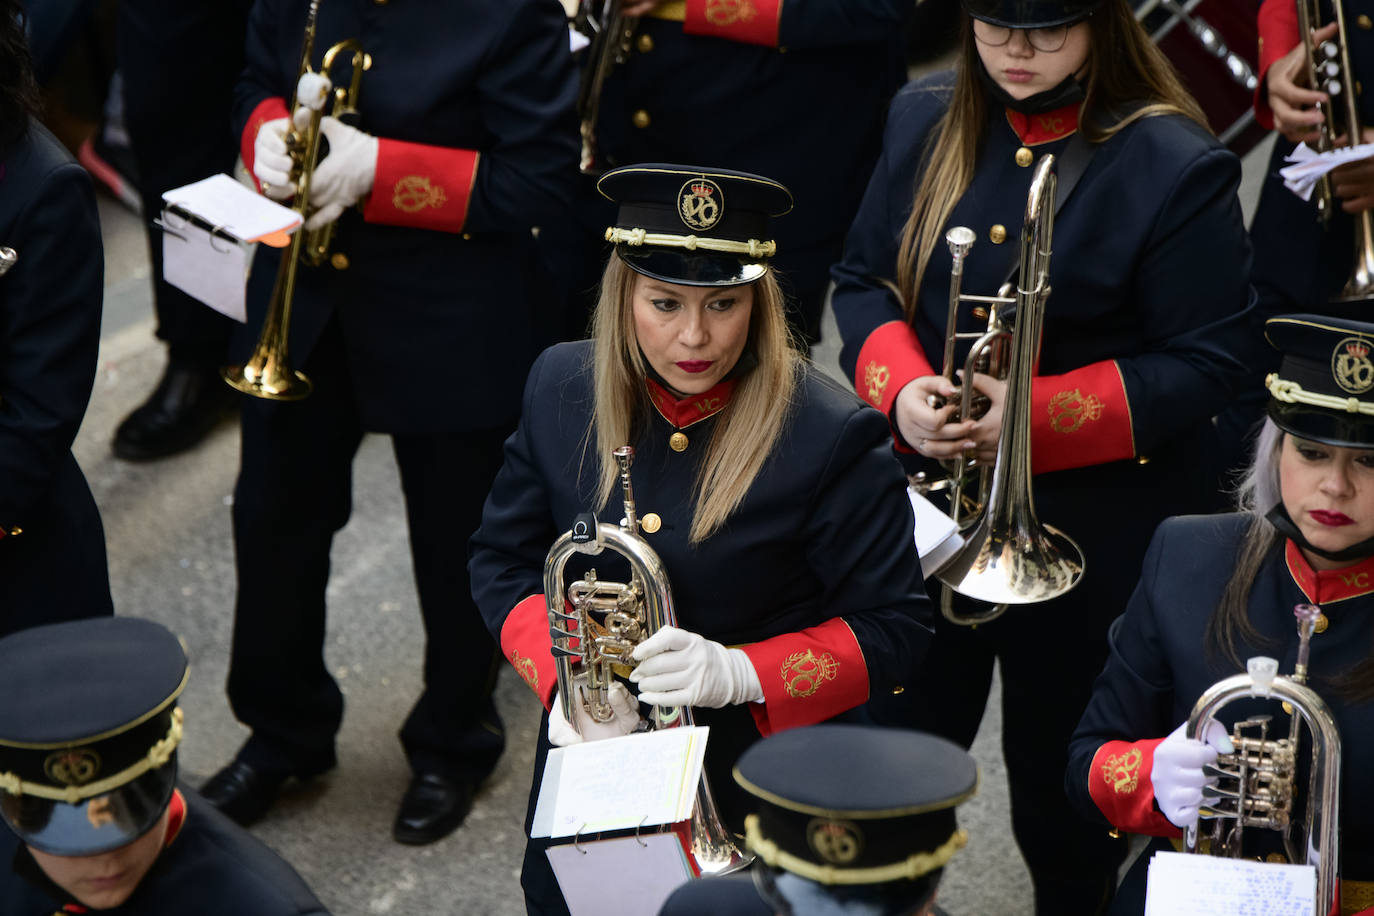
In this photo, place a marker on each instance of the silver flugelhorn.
(8, 258)
(609, 32)
(608, 619)
(1257, 784)
(1008, 556)
(1329, 71)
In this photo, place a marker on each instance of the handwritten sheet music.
(620, 783)
(1196, 885)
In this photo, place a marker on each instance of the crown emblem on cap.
(701, 203)
(72, 766)
(1351, 366)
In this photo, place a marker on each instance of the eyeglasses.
(1046, 41)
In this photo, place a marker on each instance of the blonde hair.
(1125, 70)
(746, 431)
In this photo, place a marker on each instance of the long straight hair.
(18, 91)
(746, 431)
(1229, 628)
(1126, 78)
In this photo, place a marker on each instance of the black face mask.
(1284, 524)
(1066, 93)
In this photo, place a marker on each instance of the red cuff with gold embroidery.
(1278, 34)
(427, 187)
(889, 359)
(1119, 783)
(1080, 418)
(269, 109)
(752, 22)
(526, 643)
(808, 676)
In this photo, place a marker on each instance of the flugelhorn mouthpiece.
(960, 240)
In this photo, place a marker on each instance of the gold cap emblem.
(701, 203)
(1351, 366)
(72, 766)
(836, 842)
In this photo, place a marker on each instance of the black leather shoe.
(242, 792)
(185, 405)
(431, 809)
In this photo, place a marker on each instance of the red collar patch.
(176, 818)
(1327, 585)
(1046, 127)
(693, 408)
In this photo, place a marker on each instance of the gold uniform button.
(338, 260)
(1276, 858)
(651, 523)
(467, 236)
(898, 690)
(997, 234)
(1143, 459)
(1320, 624)
(1024, 157)
(1364, 22)
(979, 312)
(641, 119)
(645, 44)
(16, 531)
(678, 442)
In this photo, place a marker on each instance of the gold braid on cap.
(636, 237)
(1293, 393)
(912, 867)
(157, 756)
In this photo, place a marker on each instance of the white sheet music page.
(1195, 885)
(628, 876)
(621, 783)
(221, 201)
(209, 268)
(937, 536)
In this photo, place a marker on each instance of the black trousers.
(180, 62)
(294, 492)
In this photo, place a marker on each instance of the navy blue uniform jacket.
(814, 575)
(473, 104)
(49, 334)
(211, 867)
(1158, 667)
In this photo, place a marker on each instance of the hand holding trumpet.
(925, 407)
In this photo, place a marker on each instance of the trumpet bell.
(1016, 565)
(264, 376)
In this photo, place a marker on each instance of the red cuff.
(1080, 418)
(889, 359)
(427, 187)
(269, 109)
(1119, 783)
(526, 643)
(808, 676)
(752, 22)
(1278, 34)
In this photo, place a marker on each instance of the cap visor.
(1319, 424)
(95, 826)
(691, 268)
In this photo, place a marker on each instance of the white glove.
(1177, 772)
(678, 668)
(626, 720)
(345, 175)
(271, 162)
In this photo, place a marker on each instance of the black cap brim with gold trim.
(1031, 14)
(1324, 389)
(846, 805)
(89, 732)
(694, 226)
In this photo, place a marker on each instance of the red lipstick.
(1331, 519)
(695, 365)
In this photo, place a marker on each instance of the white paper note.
(1195, 885)
(620, 783)
(937, 536)
(222, 202)
(212, 269)
(628, 876)
(1309, 165)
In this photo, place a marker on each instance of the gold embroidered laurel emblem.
(803, 673)
(1069, 410)
(876, 378)
(728, 12)
(525, 668)
(701, 203)
(72, 766)
(1122, 771)
(837, 842)
(1351, 366)
(415, 192)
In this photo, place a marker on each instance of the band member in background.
(796, 91)
(1217, 590)
(769, 493)
(52, 545)
(93, 818)
(1145, 336)
(849, 820)
(430, 307)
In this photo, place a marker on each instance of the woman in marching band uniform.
(1145, 337)
(769, 493)
(1217, 590)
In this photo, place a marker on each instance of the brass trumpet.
(1257, 784)
(609, 619)
(610, 31)
(267, 373)
(1008, 556)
